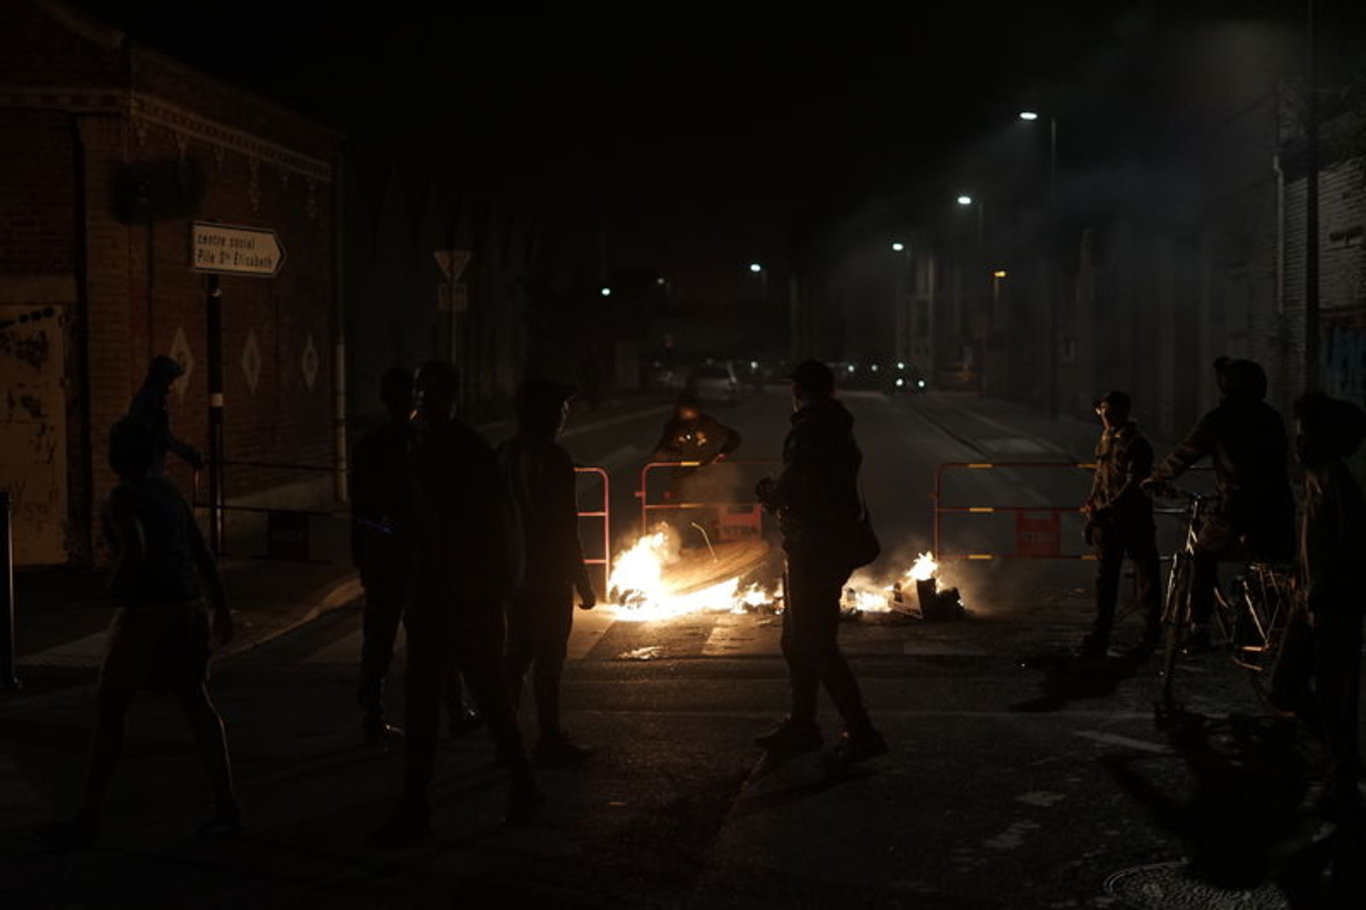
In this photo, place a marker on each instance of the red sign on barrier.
(1039, 536)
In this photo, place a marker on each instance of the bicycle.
(1253, 615)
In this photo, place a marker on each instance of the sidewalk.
(62, 612)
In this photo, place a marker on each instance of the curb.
(340, 594)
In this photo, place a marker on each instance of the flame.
(640, 591)
(924, 568)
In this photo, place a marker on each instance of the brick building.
(110, 151)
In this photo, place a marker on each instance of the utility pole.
(1311, 205)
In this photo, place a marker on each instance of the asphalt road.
(1015, 779)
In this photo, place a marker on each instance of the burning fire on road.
(656, 579)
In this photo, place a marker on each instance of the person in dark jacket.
(162, 634)
(1119, 521)
(383, 542)
(1246, 439)
(547, 560)
(817, 501)
(150, 406)
(454, 613)
(692, 435)
(1323, 641)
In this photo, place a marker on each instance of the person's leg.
(554, 620)
(1141, 544)
(384, 599)
(1337, 639)
(521, 644)
(823, 612)
(800, 591)
(480, 650)
(207, 726)
(1109, 548)
(429, 646)
(1217, 541)
(106, 747)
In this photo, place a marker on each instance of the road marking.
(732, 635)
(1112, 739)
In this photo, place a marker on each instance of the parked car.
(715, 382)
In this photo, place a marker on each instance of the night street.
(1011, 783)
(889, 459)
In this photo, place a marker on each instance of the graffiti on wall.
(33, 430)
(1344, 358)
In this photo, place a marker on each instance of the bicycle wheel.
(1175, 618)
(1265, 614)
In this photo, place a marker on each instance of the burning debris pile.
(655, 579)
(930, 603)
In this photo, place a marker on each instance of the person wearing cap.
(1119, 521)
(383, 542)
(1245, 438)
(454, 614)
(817, 501)
(547, 560)
(150, 406)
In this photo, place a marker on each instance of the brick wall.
(110, 153)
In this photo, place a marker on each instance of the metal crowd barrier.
(605, 514)
(732, 512)
(1034, 538)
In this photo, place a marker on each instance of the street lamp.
(762, 272)
(965, 199)
(898, 246)
(1052, 254)
(607, 292)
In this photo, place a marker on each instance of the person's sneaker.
(859, 747)
(409, 824)
(70, 834)
(791, 737)
(561, 752)
(1197, 641)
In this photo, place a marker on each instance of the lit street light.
(607, 292)
(759, 270)
(1052, 265)
(755, 267)
(898, 246)
(965, 200)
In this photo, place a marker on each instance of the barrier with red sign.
(736, 519)
(1038, 528)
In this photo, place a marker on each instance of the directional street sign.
(232, 249)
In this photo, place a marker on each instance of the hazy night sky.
(694, 138)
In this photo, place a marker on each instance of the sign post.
(221, 249)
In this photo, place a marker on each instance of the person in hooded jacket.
(454, 612)
(547, 560)
(1245, 438)
(1318, 675)
(816, 498)
(150, 406)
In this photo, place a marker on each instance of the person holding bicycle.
(1246, 440)
(1119, 520)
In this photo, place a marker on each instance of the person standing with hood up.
(819, 508)
(454, 614)
(547, 560)
(1245, 438)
